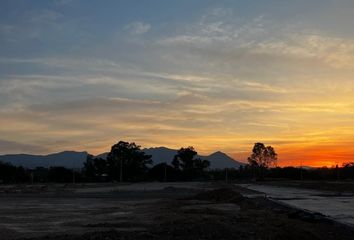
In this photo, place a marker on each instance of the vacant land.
(332, 198)
(154, 211)
(337, 187)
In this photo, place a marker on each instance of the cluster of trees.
(9, 173)
(289, 173)
(12, 174)
(127, 162)
(345, 172)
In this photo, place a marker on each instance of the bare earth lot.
(333, 199)
(154, 211)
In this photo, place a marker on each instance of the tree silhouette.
(262, 157)
(185, 161)
(95, 168)
(126, 161)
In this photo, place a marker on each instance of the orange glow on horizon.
(316, 156)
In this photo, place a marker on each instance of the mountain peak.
(218, 153)
(217, 159)
(68, 152)
(161, 148)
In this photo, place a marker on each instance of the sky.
(217, 75)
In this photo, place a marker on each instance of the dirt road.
(339, 206)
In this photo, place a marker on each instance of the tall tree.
(263, 156)
(186, 162)
(184, 159)
(126, 161)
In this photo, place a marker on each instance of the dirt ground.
(155, 211)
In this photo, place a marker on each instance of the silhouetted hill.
(222, 160)
(68, 159)
(217, 160)
(161, 154)
(102, 155)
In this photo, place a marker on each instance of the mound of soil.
(224, 195)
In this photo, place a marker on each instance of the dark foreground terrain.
(154, 211)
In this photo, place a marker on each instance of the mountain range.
(68, 159)
(218, 160)
(72, 159)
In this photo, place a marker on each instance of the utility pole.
(121, 170)
(226, 175)
(73, 172)
(32, 177)
(301, 177)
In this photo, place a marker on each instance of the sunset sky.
(216, 75)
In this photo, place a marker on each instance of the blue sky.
(42, 28)
(218, 75)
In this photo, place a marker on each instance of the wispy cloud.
(138, 27)
(11, 146)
